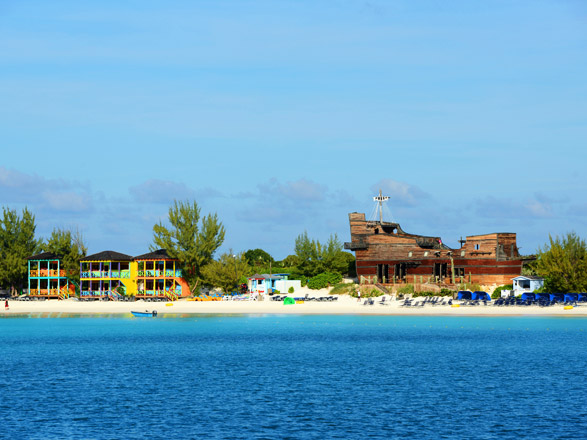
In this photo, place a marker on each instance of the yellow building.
(107, 274)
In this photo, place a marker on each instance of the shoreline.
(345, 305)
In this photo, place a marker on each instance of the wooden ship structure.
(386, 254)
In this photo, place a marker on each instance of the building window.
(462, 253)
(476, 247)
(410, 254)
(426, 253)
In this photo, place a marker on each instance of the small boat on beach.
(145, 314)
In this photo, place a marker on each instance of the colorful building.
(159, 276)
(107, 274)
(47, 278)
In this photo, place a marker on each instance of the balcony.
(169, 273)
(46, 273)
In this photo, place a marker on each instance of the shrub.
(367, 292)
(324, 279)
(497, 292)
(446, 292)
(407, 288)
(426, 293)
(276, 292)
(344, 289)
(290, 290)
(473, 287)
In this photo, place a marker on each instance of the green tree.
(258, 256)
(70, 247)
(334, 258)
(309, 253)
(315, 258)
(227, 272)
(17, 243)
(191, 239)
(563, 264)
(290, 261)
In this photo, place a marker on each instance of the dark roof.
(160, 254)
(45, 256)
(107, 256)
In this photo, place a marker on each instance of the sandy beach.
(345, 305)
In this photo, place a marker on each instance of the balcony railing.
(169, 273)
(151, 293)
(106, 274)
(46, 274)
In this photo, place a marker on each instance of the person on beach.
(6, 305)
(359, 296)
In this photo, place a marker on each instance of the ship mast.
(380, 199)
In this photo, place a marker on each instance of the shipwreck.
(386, 254)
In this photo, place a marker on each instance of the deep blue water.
(306, 377)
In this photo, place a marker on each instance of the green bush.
(276, 292)
(426, 293)
(324, 279)
(290, 290)
(497, 292)
(407, 288)
(473, 287)
(367, 292)
(344, 289)
(446, 292)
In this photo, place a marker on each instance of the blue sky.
(284, 116)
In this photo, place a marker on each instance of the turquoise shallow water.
(306, 377)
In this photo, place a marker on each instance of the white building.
(526, 284)
(264, 284)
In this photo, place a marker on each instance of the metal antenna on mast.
(380, 199)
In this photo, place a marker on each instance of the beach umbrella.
(571, 297)
(465, 294)
(480, 295)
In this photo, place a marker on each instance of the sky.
(284, 116)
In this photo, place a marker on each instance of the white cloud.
(166, 191)
(299, 191)
(67, 201)
(42, 193)
(400, 193)
(539, 209)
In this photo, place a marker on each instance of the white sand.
(344, 306)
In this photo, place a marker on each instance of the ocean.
(292, 377)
